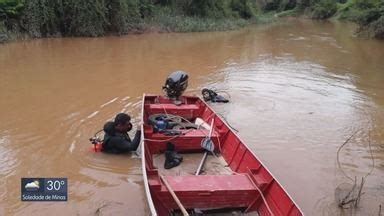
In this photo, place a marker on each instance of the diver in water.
(210, 95)
(116, 138)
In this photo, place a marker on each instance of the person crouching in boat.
(116, 138)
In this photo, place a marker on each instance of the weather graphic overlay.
(44, 189)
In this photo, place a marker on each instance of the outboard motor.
(176, 84)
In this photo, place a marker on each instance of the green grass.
(167, 20)
(265, 18)
(289, 13)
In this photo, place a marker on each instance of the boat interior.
(232, 178)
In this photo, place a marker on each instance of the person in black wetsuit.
(116, 138)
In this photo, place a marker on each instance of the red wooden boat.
(233, 178)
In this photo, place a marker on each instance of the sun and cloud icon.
(33, 185)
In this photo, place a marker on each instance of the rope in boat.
(175, 136)
(198, 126)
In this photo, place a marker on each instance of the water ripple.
(301, 111)
(8, 162)
(109, 102)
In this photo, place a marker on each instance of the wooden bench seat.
(188, 111)
(210, 191)
(210, 183)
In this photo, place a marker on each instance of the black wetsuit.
(115, 142)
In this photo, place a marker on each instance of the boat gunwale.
(143, 165)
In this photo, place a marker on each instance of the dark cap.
(122, 118)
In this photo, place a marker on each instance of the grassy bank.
(368, 14)
(167, 20)
(48, 18)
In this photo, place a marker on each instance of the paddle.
(207, 144)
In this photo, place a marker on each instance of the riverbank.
(38, 18)
(20, 19)
(368, 14)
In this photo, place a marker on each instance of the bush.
(10, 8)
(146, 9)
(244, 8)
(85, 17)
(40, 18)
(44, 18)
(122, 15)
(377, 28)
(80, 18)
(365, 4)
(271, 5)
(209, 8)
(3, 33)
(287, 5)
(368, 16)
(324, 9)
(10, 12)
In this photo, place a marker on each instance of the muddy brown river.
(298, 89)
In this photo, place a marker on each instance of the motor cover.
(176, 84)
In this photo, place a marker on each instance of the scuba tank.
(97, 143)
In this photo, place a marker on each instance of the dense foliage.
(369, 14)
(42, 18)
(45, 18)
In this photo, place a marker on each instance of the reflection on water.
(298, 90)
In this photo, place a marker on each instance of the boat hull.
(246, 185)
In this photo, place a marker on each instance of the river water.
(298, 88)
